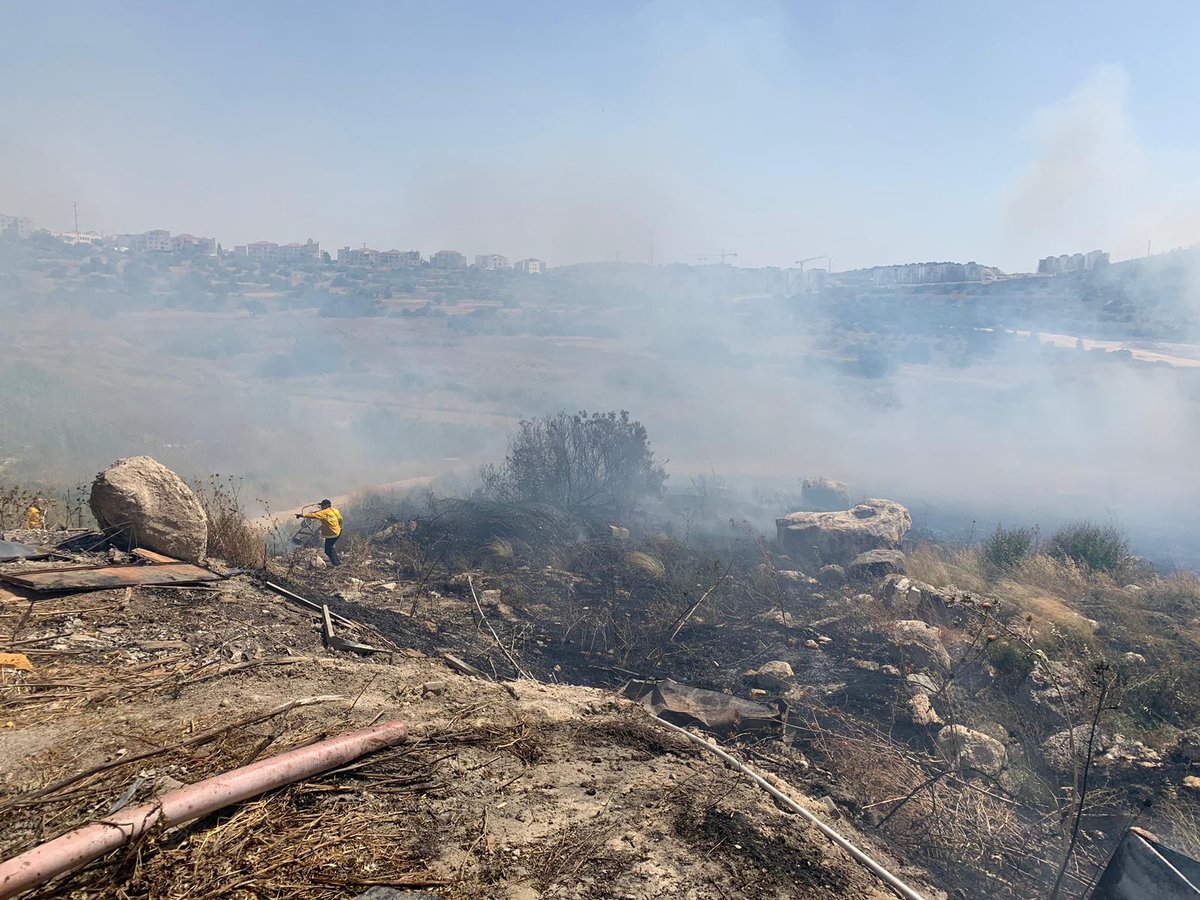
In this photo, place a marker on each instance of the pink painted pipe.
(81, 846)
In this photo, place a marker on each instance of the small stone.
(831, 576)
(775, 675)
(921, 711)
(166, 784)
(830, 807)
(433, 688)
(812, 645)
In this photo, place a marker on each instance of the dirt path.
(1139, 353)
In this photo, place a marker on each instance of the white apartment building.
(16, 226)
(80, 237)
(448, 259)
(156, 241)
(309, 251)
(190, 245)
(491, 261)
(409, 258)
(358, 256)
(530, 266)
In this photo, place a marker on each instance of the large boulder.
(144, 504)
(824, 494)
(815, 539)
(972, 749)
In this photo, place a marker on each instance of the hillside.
(524, 790)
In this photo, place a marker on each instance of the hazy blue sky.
(875, 132)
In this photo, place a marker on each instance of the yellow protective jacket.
(331, 521)
(34, 518)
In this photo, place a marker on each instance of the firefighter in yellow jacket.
(35, 516)
(331, 528)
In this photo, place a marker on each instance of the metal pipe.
(81, 846)
(880, 872)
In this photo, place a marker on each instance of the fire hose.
(81, 846)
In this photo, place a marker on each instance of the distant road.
(1171, 359)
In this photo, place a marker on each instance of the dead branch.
(202, 738)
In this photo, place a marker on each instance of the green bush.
(596, 466)
(1008, 547)
(1101, 548)
(1012, 663)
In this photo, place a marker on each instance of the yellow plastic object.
(16, 661)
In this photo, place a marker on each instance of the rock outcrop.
(144, 504)
(832, 576)
(815, 539)
(824, 494)
(876, 564)
(918, 646)
(1110, 750)
(1189, 745)
(972, 749)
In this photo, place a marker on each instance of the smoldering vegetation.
(312, 381)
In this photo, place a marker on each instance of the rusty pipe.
(81, 846)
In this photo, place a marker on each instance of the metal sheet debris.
(13, 550)
(683, 705)
(1143, 869)
(99, 578)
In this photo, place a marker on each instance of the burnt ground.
(560, 791)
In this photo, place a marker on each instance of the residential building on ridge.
(309, 251)
(16, 226)
(190, 245)
(1076, 262)
(156, 241)
(491, 261)
(409, 258)
(530, 266)
(448, 259)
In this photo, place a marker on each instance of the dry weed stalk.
(930, 810)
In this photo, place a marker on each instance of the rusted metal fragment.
(152, 557)
(99, 578)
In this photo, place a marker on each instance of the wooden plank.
(99, 578)
(315, 607)
(151, 556)
(328, 624)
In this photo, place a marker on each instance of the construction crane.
(723, 254)
(801, 262)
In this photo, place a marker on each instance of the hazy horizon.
(863, 132)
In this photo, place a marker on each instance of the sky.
(872, 132)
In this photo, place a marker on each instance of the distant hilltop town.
(161, 241)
